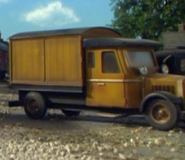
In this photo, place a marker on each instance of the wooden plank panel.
(74, 58)
(25, 56)
(28, 61)
(37, 63)
(67, 62)
(60, 59)
(51, 53)
(14, 62)
(63, 60)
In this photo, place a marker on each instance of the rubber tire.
(70, 113)
(42, 108)
(174, 115)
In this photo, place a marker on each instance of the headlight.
(143, 70)
(164, 69)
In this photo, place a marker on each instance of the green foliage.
(147, 18)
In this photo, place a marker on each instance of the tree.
(147, 18)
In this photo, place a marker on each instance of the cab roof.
(118, 42)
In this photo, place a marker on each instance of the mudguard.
(161, 95)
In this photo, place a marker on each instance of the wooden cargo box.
(51, 57)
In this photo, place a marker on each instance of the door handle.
(101, 84)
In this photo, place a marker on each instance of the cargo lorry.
(93, 69)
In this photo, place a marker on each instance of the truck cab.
(124, 75)
(115, 73)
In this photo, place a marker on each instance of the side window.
(91, 59)
(109, 63)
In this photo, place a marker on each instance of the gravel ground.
(88, 137)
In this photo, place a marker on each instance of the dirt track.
(86, 137)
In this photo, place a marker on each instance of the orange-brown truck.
(96, 69)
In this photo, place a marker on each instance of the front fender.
(161, 95)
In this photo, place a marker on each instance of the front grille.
(167, 88)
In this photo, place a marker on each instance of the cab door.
(105, 79)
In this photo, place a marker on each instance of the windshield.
(140, 58)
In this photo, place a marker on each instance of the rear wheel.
(70, 113)
(162, 114)
(35, 105)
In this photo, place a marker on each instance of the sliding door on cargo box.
(27, 61)
(63, 60)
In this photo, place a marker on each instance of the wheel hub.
(160, 113)
(33, 106)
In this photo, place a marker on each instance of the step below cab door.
(105, 79)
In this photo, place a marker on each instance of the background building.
(3, 58)
(174, 39)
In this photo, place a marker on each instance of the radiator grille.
(167, 88)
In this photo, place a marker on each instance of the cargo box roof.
(118, 42)
(84, 32)
(3, 47)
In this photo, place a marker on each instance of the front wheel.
(162, 114)
(35, 105)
